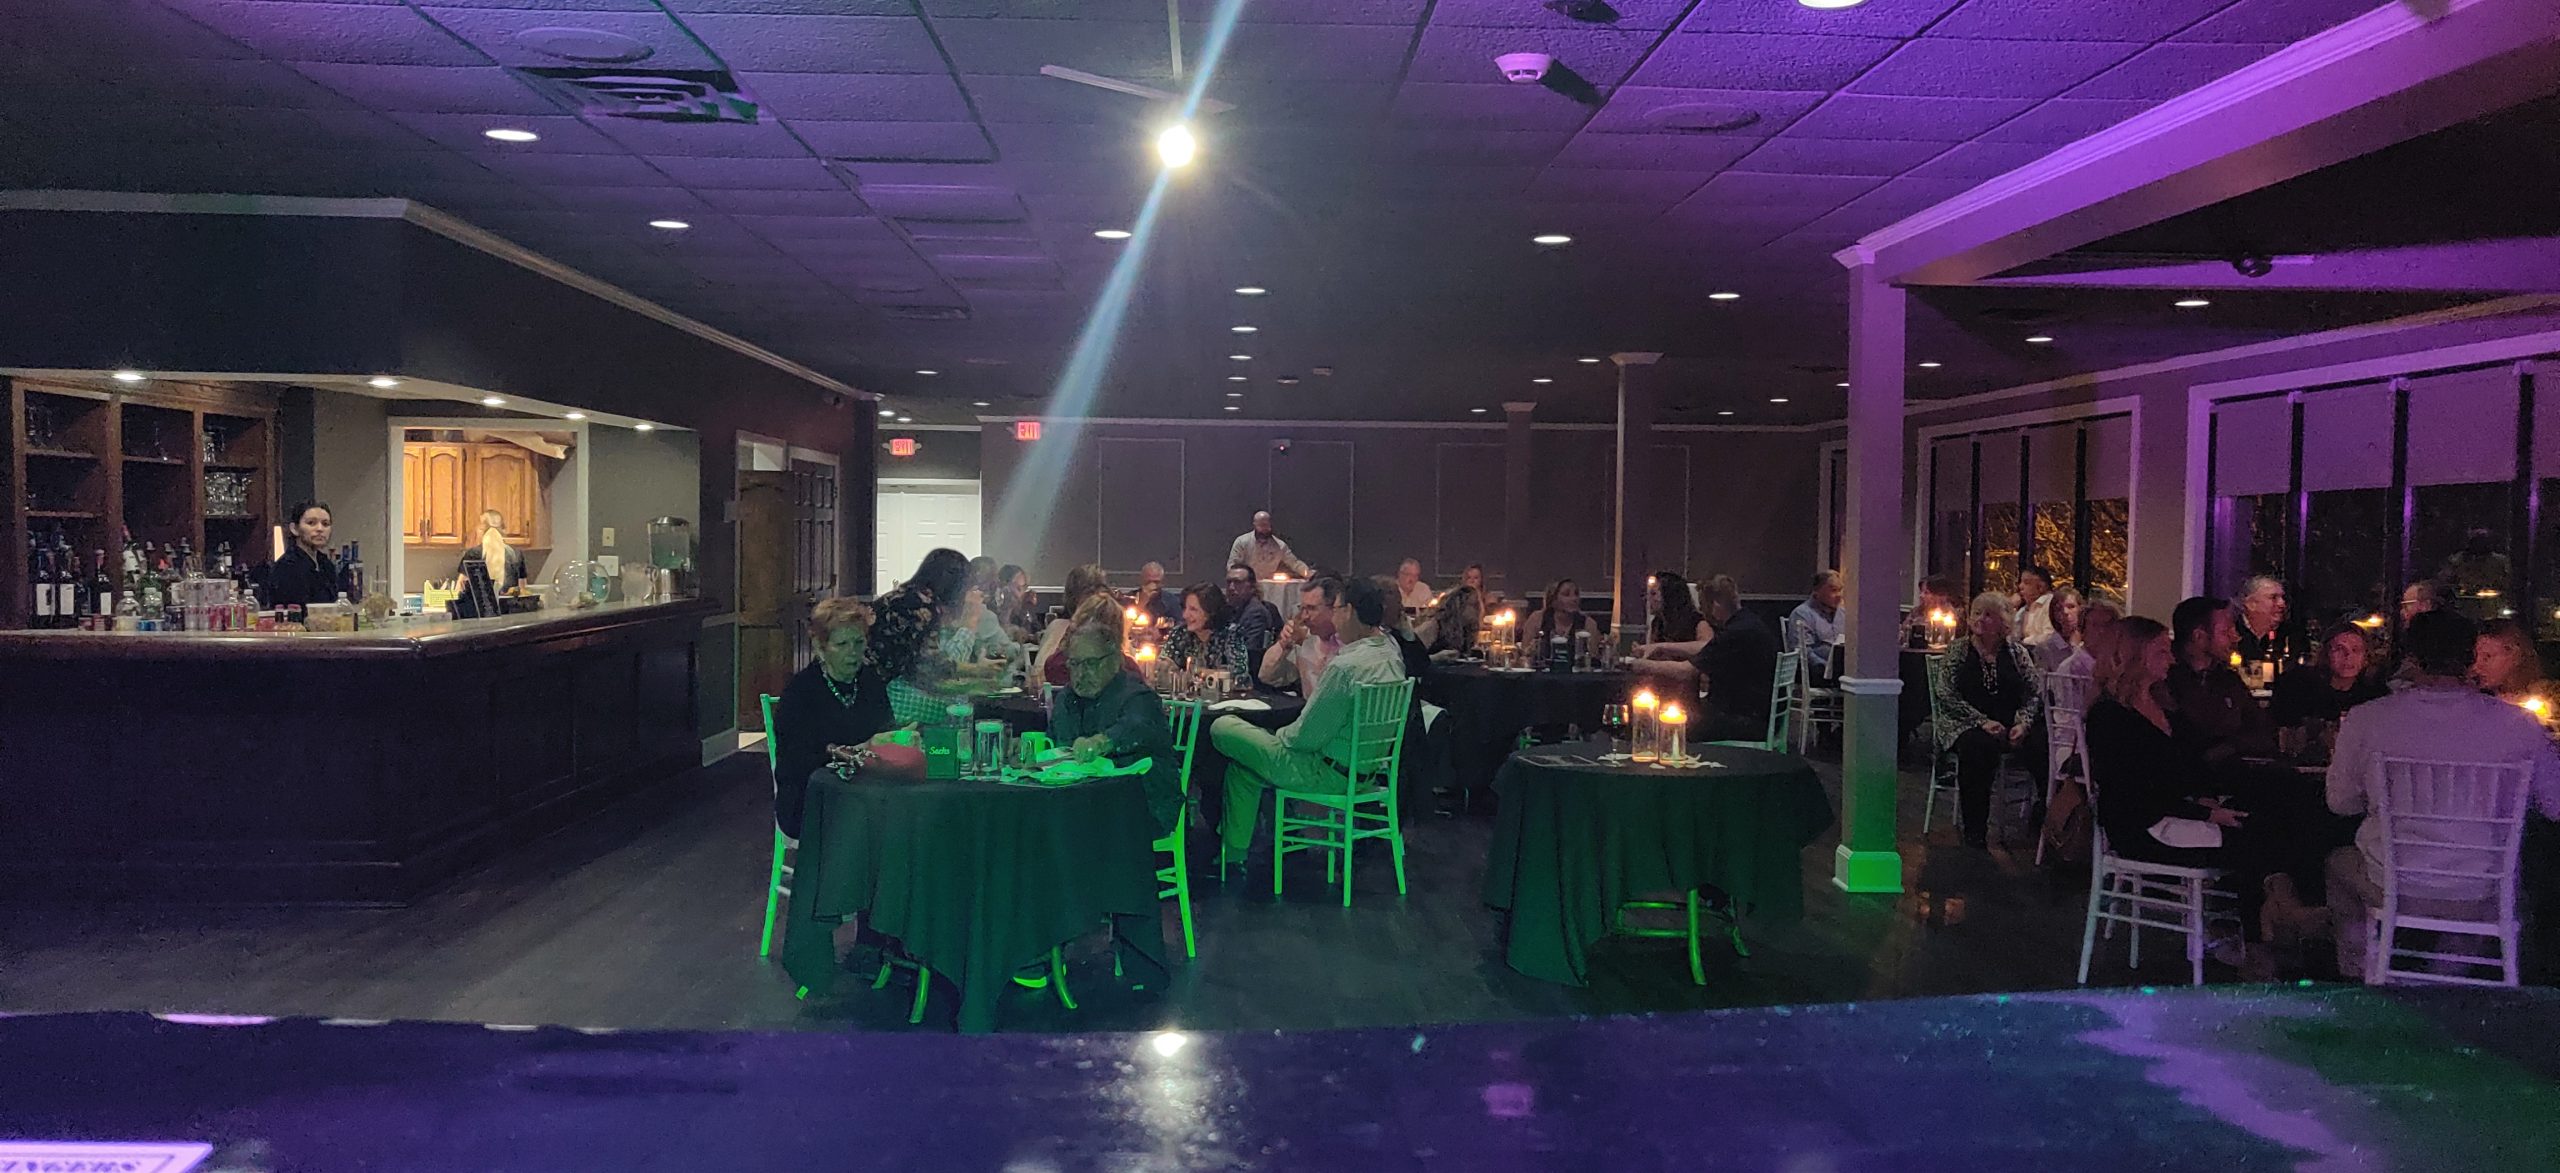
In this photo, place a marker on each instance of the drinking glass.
(1614, 719)
(986, 757)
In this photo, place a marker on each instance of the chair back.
(1184, 718)
(2065, 690)
(2451, 830)
(1782, 700)
(772, 736)
(1377, 728)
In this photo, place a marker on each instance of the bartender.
(505, 562)
(305, 574)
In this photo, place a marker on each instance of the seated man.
(1736, 669)
(1251, 621)
(1107, 712)
(1160, 604)
(1307, 754)
(2209, 704)
(1817, 623)
(1412, 594)
(1297, 657)
(2439, 717)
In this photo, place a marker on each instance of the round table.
(1487, 709)
(1025, 713)
(974, 879)
(1574, 840)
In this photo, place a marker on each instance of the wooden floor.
(647, 917)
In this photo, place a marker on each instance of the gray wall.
(1364, 496)
(940, 455)
(638, 476)
(351, 469)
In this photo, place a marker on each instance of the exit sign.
(1026, 430)
(902, 446)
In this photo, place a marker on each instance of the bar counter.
(328, 768)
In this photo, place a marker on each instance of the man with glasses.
(1107, 712)
(1308, 642)
(1310, 753)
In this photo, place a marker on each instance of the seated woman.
(1108, 712)
(1987, 706)
(971, 633)
(1016, 605)
(2159, 803)
(1561, 612)
(2505, 665)
(1084, 584)
(906, 646)
(1448, 631)
(1674, 638)
(1207, 640)
(2343, 679)
(836, 703)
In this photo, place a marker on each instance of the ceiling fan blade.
(1133, 89)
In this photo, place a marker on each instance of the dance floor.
(2230, 1079)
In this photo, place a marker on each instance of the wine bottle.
(70, 590)
(39, 583)
(102, 595)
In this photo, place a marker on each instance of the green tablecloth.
(974, 879)
(1572, 843)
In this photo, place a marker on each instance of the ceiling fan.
(1173, 31)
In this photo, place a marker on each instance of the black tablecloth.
(1208, 766)
(1572, 843)
(1488, 709)
(974, 879)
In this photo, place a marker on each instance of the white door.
(916, 519)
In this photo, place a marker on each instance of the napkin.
(1241, 705)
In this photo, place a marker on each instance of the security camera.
(1524, 67)
(2253, 265)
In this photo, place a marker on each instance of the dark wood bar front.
(357, 768)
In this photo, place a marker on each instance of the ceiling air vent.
(670, 95)
(928, 313)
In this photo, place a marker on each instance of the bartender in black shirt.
(305, 574)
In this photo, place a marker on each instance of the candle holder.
(1675, 735)
(1648, 731)
(1150, 666)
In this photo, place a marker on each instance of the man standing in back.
(1264, 551)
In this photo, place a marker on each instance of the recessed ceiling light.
(1177, 146)
(980, 403)
(127, 376)
(1245, 329)
(1287, 380)
(644, 427)
(492, 401)
(1477, 410)
(509, 134)
(1586, 360)
(1542, 380)
(1724, 413)
(670, 225)
(1251, 290)
(1112, 234)
(1828, 4)
(1551, 238)
(2039, 339)
(382, 381)
(887, 412)
(906, 419)
(1235, 394)
(1235, 378)
(1931, 366)
(1839, 384)
(1241, 357)
(1233, 407)
(1779, 399)
(575, 415)
(1724, 295)
(2191, 303)
(928, 372)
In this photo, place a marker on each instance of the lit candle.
(1279, 576)
(1675, 733)
(2535, 705)
(1645, 704)
(1146, 654)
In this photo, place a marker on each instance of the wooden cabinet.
(434, 497)
(445, 486)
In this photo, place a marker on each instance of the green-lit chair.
(1184, 717)
(778, 888)
(1365, 808)
(1782, 706)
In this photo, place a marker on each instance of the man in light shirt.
(1264, 551)
(2438, 717)
(1413, 593)
(1308, 754)
(1815, 626)
(2034, 619)
(1308, 643)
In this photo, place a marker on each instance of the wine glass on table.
(1616, 719)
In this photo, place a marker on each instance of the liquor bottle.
(222, 558)
(71, 591)
(102, 596)
(39, 583)
(354, 566)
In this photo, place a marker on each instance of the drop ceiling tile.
(644, 203)
(1876, 18)
(2166, 71)
(1280, 102)
(847, 227)
(1760, 61)
(818, 44)
(1654, 189)
(1602, 57)
(1947, 67)
(553, 170)
(1636, 109)
(498, 32)
(117, 30)
(478, 89)
(1499, 105)
(1793, 154)
(2275, 21)
(687, 8)
(2065, 120)
(338, 33)
(1129, 50)
(940, 141)
(730, 140)
(1878, 116)
(1653, 152)
(468, 200)
(697, 172)
(1407, 145)
(2076, 20)
(1305, 54)
(239, 83)
(558, 6)
(1978, 161)
(865, 97)
(1537, 18)
(778, 202)
(1815, 193)
(561, 134)
(1894, 201)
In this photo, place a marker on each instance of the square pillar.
(1874, 561)
(1639, 402)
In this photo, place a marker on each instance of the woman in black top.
(837, 702)
(1560, 610)
(2325, 691)
(306, 574)
(2141, 774)
(1987, 706)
